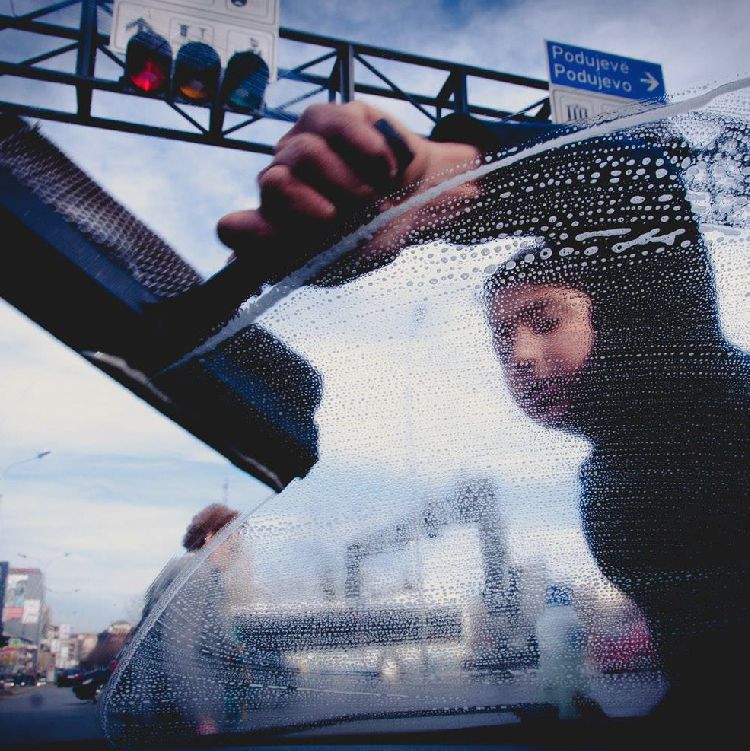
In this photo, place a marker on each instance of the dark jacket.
(665, 399)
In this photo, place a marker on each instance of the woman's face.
(543, 336)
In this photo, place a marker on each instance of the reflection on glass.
(531, 498)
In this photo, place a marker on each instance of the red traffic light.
(196, 72)
(245, 82)
(148, 62)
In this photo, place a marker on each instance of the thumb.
(243, 230)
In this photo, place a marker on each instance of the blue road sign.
(603, 73)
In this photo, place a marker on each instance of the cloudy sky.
(108, 506)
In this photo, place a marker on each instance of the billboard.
(31, 611)
(15, 597)
(24, 598)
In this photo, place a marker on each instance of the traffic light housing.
(197, 70)
(245, 82)
(195, 76)
(148, 62)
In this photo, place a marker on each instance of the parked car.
(69, 677)
(90, 685)
(25, 679)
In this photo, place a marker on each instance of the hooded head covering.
(611, 218)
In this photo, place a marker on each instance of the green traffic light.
(245, 82)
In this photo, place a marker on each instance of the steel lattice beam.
(342, 84)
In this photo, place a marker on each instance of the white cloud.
(182, 189)
(117, 538)
(51, 397)
(116, 549)
(695, 42)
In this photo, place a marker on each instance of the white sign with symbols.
(31, 611)
(228, 26)
(586, 83)
(569, 105)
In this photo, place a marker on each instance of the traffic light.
(197, 70)
(245, 82)
(196, 76)
(148, 62)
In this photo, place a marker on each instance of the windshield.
(531, 491)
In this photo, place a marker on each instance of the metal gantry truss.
(341, 62)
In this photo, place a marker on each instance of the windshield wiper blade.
(528, 712)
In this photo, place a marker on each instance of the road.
(47, 713)
(36, 715)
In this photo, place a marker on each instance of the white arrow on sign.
(651, 81)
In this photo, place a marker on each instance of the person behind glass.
(628, 352)
(202, 528)
(607, 327)
(220, 659)
(613, 335)
(197, 651)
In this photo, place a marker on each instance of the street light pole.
(39, 455)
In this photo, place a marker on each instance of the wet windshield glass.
(531, 491)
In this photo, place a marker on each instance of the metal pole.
(216, 120)
(86, 56)
(345, 63)
(460, 94)
(40, 618)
